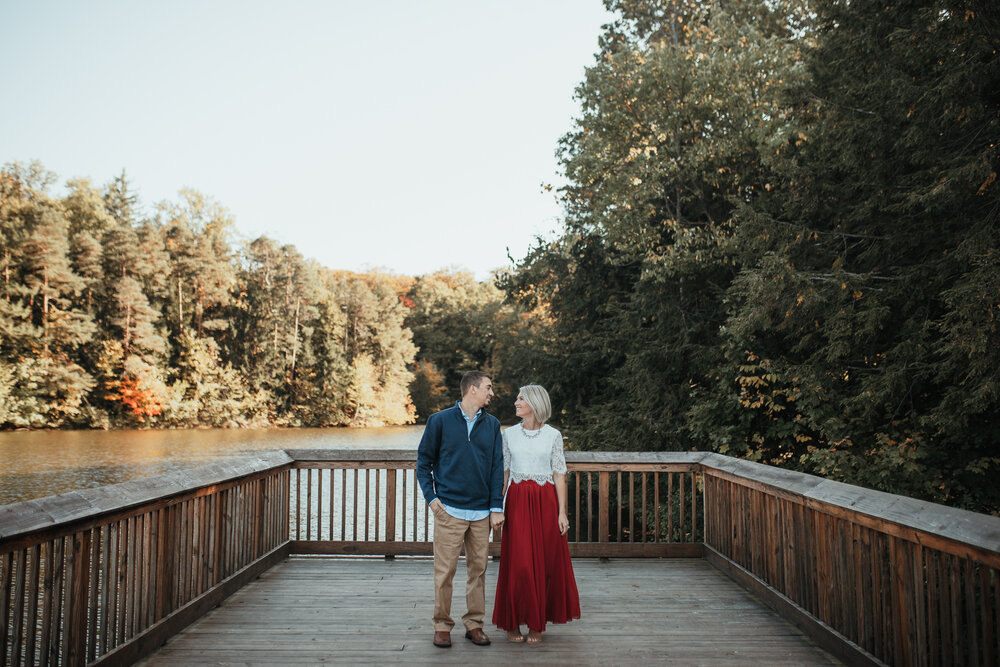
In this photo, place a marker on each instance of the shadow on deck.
(337, 610)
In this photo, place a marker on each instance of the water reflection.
(42, 463)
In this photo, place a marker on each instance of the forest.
(780, 242)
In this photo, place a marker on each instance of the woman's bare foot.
(534, 637)
(515, 635)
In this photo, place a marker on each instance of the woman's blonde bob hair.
(538, 400)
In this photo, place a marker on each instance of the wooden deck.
(339, 610)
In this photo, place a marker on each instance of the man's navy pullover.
(464, 470)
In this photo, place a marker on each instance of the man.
(460, 471)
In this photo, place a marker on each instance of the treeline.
(113, 318)
(782, 243)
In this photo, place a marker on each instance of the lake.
(34, 464)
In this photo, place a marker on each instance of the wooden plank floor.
(332, 610)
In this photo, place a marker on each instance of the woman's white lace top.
(533, 455)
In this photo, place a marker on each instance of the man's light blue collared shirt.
(469, 515)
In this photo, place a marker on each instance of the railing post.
(602, 499)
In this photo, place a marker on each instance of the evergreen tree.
(85, 256)
(861, 320)
(120, 201)
(85, 209)
(197, 238)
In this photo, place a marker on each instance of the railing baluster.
(631, 507)
(6, 586)
(53, 643)
(45, 621)
(644, 494)
(417, 502)
(405, 499)
(93, 595)
(354, 518)
(602, 506)
(989, 624)
(298, 503)
(670, 508)
(146, 570)
(368, 500)
(972, 626)
(378, 495)
(75, 646)
(681, 527)
(656, 507)
(319, 504)
(182, 547)
(309, 487)
(577, 518)
(590, 507)
(34, 562)
(332, 496)
(17, 620)
(618, 522)
(343, 504)
(694, 507)
(390, 505)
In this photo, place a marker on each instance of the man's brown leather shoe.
(442, 639)
(477, 636)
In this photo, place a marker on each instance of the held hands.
(496, 518)
(563, 523)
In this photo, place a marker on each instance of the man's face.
(482, 394)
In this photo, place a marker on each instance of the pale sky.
(410, 136)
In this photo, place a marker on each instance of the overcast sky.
(409, 136)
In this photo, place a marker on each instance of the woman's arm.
(560, 481)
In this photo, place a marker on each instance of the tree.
(197, 237)
(449, 322)
(428, 389)
(376, 336)
(677, 118)
(209, 392)
(873, 248)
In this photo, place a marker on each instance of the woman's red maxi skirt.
(536, 582)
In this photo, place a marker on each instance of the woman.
(536, 583)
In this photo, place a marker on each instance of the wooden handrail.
(44, 518)
(947, 529)
(106, 575)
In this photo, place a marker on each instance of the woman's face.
(522, 409)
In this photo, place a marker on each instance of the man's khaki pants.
(449, 536)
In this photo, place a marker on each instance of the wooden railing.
(874, 577)
(106, 575)
(626, 504)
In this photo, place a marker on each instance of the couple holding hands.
(465, 467)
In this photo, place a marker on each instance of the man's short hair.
(473, 379)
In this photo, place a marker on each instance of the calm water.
(43, 463)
